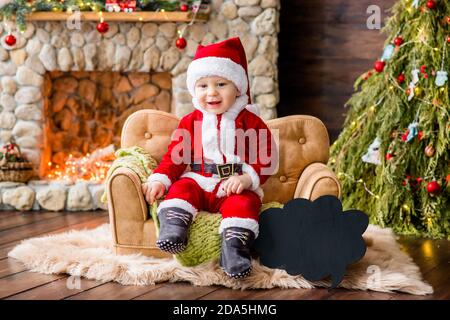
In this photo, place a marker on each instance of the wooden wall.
(324, 46)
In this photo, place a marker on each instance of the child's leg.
(241, 210)
(175, 214)
(239, 228)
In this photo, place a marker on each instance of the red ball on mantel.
(102, 27)
(10, 40)
(398, 41)
(401, 78)
(379, 66)
(184, 7)
(181, 43)
(433, 187)
(431, 4)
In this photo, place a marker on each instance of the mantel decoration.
(13, 166)
(19, 9)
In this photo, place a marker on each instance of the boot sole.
(239, 275)
(169, 246)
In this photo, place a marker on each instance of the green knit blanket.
(204, 239)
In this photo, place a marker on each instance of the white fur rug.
(88, 253)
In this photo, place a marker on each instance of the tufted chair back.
(303, 142)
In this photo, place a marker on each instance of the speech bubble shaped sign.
(313, 239)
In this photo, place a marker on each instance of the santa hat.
(224, 59)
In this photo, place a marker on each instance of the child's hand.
(236, 184)
(153, 191)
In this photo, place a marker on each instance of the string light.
(79, 169)
(361, 181)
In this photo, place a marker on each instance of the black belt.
(223, 170)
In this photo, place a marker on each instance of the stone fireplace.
(85, 111)
(65, 94)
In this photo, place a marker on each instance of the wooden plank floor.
(432, 256)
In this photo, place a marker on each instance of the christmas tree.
(393, 155)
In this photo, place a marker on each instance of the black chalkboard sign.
(313, 239)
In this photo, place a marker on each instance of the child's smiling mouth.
(213, 103)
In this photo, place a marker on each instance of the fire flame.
(90, 167)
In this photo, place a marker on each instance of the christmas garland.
(20, 8)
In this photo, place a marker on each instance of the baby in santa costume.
(222, 168)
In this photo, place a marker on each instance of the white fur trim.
(220, 191)
(259, 191)
(253, 108)
(210, 141)
(246, 168)
(178, 203)
(206, 183)
(246, 223)
(163, 178)
(216, 66)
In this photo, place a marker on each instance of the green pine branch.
(379, 108)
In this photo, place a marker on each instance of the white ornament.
(388, 52)
(416, 3)
(413, 130)
(441, 78)
(415, 74)
(373, 154)
(411, 91)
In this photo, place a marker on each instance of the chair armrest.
(317, 180)
(128, 209)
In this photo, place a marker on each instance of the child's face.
(215, 94)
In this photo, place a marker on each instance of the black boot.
(235, 258)
(173, 229)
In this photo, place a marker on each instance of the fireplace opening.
(84, 113)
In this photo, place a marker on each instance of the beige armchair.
(304, 151)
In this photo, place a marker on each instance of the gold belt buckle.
(225, 170)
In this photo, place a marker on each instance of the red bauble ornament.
(398, 41)
(389, 156)
(408, 91)
(184, 7)
(181, 43)
(431, 4)
(423, 69)
(448, 39)
(420, 135)
(447, 19)
(102, 27)
(429, 151)
(419, 180)
(433, 187)
(401, 78)
(10, 40)
(379, 66)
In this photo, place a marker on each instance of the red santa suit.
(213, 139)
